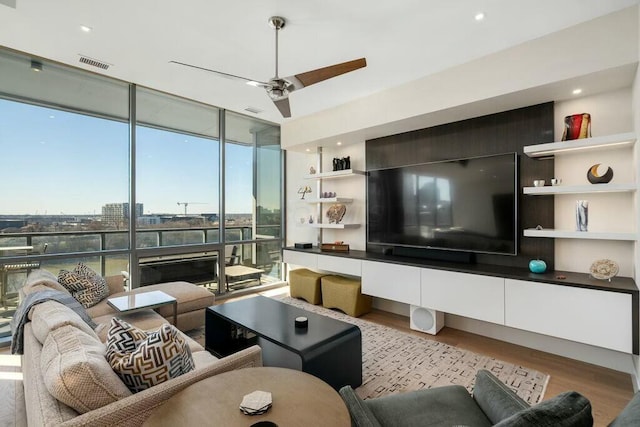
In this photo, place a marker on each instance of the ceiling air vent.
(253, 110)
(94, 63)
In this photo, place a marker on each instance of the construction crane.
(185, 204)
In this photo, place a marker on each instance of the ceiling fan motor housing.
(279, 88)
(277, 22)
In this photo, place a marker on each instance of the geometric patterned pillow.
(84, 284)
(123, 337)
(159, 357)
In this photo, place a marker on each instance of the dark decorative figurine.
(341, 164)
(594, 178)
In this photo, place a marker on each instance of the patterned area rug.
(395, 361)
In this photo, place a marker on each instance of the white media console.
(577, 308)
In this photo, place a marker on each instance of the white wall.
(298, 211)
(611, 113)
(353, 187)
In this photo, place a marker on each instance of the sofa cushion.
(189, 296)
(442, 406)
(569, 409)
(160, 356)
(87, 286)
(103, 308)
(147, 320)
(41, 279)
(51, 315)
(76, 372)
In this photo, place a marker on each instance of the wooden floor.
(608, 390)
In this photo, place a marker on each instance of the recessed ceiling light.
(308, 150)
(479, 16)
(577, 91)
(85, 28)
(339, 143)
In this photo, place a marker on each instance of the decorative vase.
(582, 215)
(577, 126)
(537, 266)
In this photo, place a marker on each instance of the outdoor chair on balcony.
(231, 255)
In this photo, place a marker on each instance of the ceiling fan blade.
(315, 76)
(250, 82)
(283, 106)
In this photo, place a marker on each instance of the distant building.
(149, 220)
(117, 214)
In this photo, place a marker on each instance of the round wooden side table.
(299, 399)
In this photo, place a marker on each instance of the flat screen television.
(465, 204)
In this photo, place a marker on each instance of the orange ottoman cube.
(305, 284)
(345, 294)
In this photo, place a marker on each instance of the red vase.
(577, 126)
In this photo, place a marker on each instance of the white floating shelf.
(330, 200)
(596, 143)
(335, 174)
(578, 189)
(567, 234)
(337, 226)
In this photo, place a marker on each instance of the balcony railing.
(68, 247)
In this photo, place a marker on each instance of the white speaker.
(426, 320)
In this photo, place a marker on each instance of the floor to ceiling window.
(252, 198)
(79, 171)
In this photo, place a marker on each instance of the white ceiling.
(402, 41)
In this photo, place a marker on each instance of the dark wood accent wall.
(497, 133)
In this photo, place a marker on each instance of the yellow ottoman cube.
(305, 284)
(345, 294)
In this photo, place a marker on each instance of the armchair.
(492, 404)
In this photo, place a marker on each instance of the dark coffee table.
(328, 348)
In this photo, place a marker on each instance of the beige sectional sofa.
(64, 365)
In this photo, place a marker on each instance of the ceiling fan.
(278, 88)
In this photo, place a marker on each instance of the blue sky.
(58, 162)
